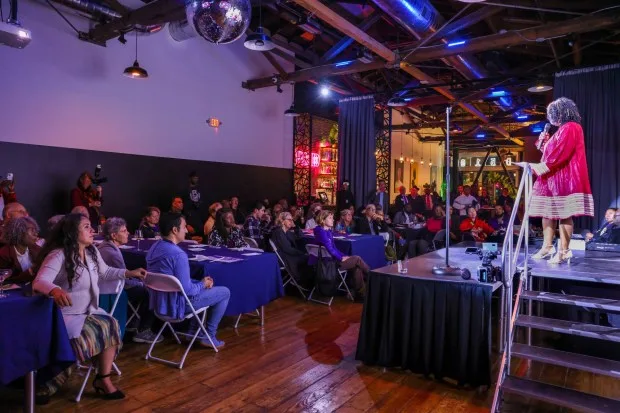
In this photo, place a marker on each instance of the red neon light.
(316, 160)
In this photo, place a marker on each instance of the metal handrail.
(510, 256)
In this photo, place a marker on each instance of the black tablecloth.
(433, 328)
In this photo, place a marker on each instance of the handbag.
(326, 276)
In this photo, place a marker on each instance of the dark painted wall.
(45, 175)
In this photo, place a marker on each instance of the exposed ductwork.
(421, 19)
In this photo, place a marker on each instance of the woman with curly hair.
(562, 189)
(69, 269)
(20, 236)
(225, 233)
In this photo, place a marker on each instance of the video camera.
(97, 178)
(487, 272)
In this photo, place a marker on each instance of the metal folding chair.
(287, 276)
(251, 242)
(164, 283)
(105, 287)
(134, 312)
(439, 239)
(314, 251)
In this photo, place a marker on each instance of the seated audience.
(313, 212)
(210, 222)
(51, 223)
(11, 211)
(382, 214)
(504, 198)
(115, 234)
(508, 210)
(270, 219)
(346, 223)
(371, 222)
(437, 222)
(84, 194)
(82, 210)
(226, 203)
(610, 232)
(177, 207)
(284, 204)
(69, 270)
(417, 202)
(237, 214)
(285, 241)
(20, 249)
(149, 226)
(499, 220)
(406, 216)
(356, 266)
(298, 216)
(484, 198)
(463, 202)
(255, 226)
(605, 230)
(225, 233)
(165, 257)
(476, 229)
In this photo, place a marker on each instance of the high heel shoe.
(117, 395)
(561, 257)
(544, 253)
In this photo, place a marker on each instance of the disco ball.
(220, 21)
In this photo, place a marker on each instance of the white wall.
(60, 91)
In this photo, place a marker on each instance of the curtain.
(596, 91)
(356, 157)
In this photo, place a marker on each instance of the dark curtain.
(596, 91)
(356, 157)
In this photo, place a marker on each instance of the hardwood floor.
(303, 359)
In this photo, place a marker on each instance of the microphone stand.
(447, 269)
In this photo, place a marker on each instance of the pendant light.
(430, 157)
(422, 157)
(411, 160)
(401, 148)
(135, 71)
(260, 39)
(291, 112)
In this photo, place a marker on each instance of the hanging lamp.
(259, 40)
(135, 71)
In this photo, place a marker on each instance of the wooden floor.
(303, 359)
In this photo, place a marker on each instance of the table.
(429, 324)
(370, 247)
(33, 338)
(253, 282)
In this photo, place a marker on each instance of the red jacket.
(480, 230)
(8, 259)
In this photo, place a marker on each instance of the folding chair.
(105, 287)
(164, 283)
(314, 251)
(251, 242)
(439, 239)
(287, 276)
(134, 312)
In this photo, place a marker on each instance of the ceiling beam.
(346, 41)
(493, 42)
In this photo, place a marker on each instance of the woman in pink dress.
(562, 189)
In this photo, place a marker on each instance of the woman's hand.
(207, 282)
(61, 298)
(137, 273)
(344, 258)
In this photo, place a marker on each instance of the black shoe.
(117, 395)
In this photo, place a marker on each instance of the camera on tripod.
(487, 272)
(97, 178)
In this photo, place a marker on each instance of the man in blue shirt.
(165, 257)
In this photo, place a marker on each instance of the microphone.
(540, 143)
(547, 127)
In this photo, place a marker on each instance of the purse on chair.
(327, 278)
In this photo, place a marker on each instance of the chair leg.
(327, 303)
(148, 354)
(237, 322)
(86, 376)
(174, 333)
(346, 287)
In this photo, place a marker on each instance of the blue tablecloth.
(32, 337)
(370, 247)
(106, 301)
(253, 282)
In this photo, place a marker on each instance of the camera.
(97, 178)
(487, 272)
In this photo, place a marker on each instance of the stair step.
(565, 359)
(560, 396)
(569, 327)
(579, 300)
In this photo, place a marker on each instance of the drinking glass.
(4, 274)
(402, 267)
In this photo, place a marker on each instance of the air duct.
(421, 19)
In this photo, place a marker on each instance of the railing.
(510, 256)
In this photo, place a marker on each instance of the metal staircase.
(519, 314)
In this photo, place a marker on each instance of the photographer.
(84, 194)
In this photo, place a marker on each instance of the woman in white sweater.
(69, 270)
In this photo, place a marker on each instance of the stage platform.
(581, 268)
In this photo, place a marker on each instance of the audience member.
(346, 223)
(603, 234)
(237, 214)
(20, 249)
(430, 200)
(401, 199)
(476, 229)
(115, 234)
(69, 269)
(313, 211)
(255, 226)
(165, 257)
(356, 266)
(504, 197)
(484, 198)
(406, 216)
(149, 226)
(51, 223)
(508, 210)
(82, 210)
(177, 207)
(225, 233)
(344, 197)
(225, 203)
(210, 222)
(298, 216)
(285, 241)
(371, 222)
(84, 194)
(11, 211)
(381, 197)
(499, 220)
(466, 200)
(192, 204)
(284, 204)
(417, 202)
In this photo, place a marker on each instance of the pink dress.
(562, 189)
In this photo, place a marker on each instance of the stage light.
(324, 91)
(539, 87)
(457, 43)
